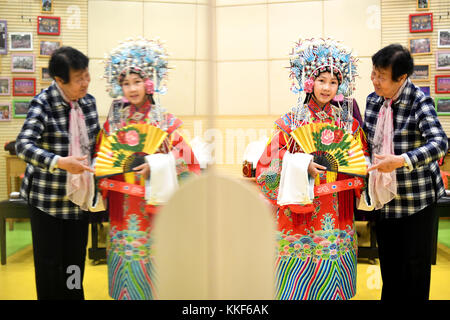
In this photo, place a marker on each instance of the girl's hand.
(143, 170)
(314, 169)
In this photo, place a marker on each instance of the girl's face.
(133, 88)
(325, 88)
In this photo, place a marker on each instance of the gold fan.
(332, 147)
(125, 149)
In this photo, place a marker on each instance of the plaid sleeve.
(27, 147)
(436, 140)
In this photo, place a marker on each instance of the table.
(15, 167)
(9, 209)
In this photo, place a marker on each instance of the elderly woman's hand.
(387, 163)
(74, 165)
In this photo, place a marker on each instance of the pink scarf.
(382, 185)
(79, 187)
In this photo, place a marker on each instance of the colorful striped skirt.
(316, 279)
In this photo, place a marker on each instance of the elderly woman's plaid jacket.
(45, 135)
(418, 134)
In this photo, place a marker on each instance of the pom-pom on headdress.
(310, 57)
(146, 57)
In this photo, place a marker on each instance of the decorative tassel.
(317, 180)
(346, 202)
(331, 176)
(129, 177)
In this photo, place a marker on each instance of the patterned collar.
(318, 112)
(140, 112)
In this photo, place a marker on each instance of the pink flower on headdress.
(149, 86)
(327, 137)
(309, 85)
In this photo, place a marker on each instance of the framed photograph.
(24, 86)
(442, 105)
(22, 62)
(20, 108)
(20, 41)
(3, 37)
(49, 25)
(47, 6)
(46, 47)
(421, 72)
(444, 38)
(5, 86)
(421, 22)
(45, 75)
(426, 90)
(420, 46)
(442, 84)
(423, 4)
(5, 111)
(443, 60)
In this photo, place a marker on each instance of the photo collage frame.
(28, 63)
(420, 44)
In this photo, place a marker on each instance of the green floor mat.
(444, 232)
(18, 238)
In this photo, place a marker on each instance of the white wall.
(252, 40)
(182, 24)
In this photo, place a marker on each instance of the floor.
(17, 278)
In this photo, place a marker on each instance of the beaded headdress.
(308, 59)
(148, 58)
(312, 56)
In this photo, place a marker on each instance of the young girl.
(129, 70)
(317, 242)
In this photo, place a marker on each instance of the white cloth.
(382, 185)
(96, 203)
(364, 203)
(254, 151)
(202, 151)
(163, 178)
(296, 187)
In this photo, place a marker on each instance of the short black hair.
(64, 59)
(397, 57)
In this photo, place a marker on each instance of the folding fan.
(125, 149)
(332, 147)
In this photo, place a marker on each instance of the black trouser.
(405, 247)
(59, 248)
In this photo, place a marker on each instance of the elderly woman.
(406, 139)
(57, 141)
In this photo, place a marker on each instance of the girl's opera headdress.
(310, 57)
(148, 58)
